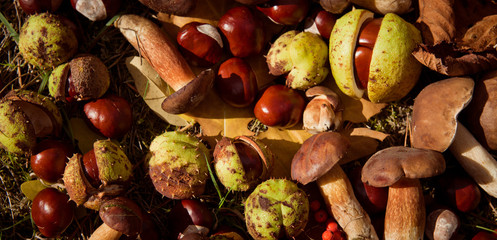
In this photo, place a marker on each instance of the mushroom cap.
(480, 115)
(189, 96)
(435, 110)
(389, 165)
(317, 155)
(122, 214)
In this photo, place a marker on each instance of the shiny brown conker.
(286, 12)
(52, 212)
(280, 106)
(364, 51)
(189, 212)
(49, 159)
(236, 82)
(373, 199)
(200, 43)
(111, 115)
(38, 6)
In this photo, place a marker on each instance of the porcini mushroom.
(400, 169)
(154, 45)
(120, 216)
(324, 111)
(317, 159)
(435, 126)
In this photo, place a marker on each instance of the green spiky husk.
(113, 164)
(17, 135)
(178, 165)
(276, 208)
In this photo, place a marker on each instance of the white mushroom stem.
(156, 47)
(405, 214)
(339, 197)
(104, 232)
(475, 159)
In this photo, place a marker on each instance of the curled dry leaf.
(153, 89)
(459, 36)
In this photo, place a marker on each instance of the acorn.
(178, 165)
(102, 173)
(46, 40)
(276, 209)
(25, 116)
(242, 163)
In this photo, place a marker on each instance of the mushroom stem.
(338, 195)
(104, 232)
(156, 47)
(475, 159)
(405, 213)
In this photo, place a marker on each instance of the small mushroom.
(435, 126)
(317, 159)
(324, 111)
(154, 45)
(400, 169)
(120, 216)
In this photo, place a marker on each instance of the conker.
(373, 199)
(49, 159)
(460, 191)
(364, 51)
(96, 9)
(91, 168)
(111, 115)
(190, 212)
(52, 212)
(38, 6)
(243, 30)
(280, 106)
(236, 82)
(286, 12)
(201, 43)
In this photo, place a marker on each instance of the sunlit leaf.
(31, 188)
(83, 134)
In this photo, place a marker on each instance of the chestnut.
(373, 199)
(49, 159)
(321, 22)
(111, 115)
(200, 43)
(485, 235)
(52, 212)
(188, 212)
(38, 6)
(460, 191)
(96, 9)
(286, 12)
(236, 82)
(364, 51)
(243, 30)
(280, 106)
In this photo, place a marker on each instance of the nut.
(392, 71)
(25, 116)
(178, 165)
(111, 115)
(114, 173)
(302, 55)
(277, 208)
(242, 163)
(96, 9)
(84, 77)
(46, 41)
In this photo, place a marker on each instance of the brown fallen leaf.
(459, 36)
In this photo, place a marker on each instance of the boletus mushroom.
(317, 160)
(154, 45)
(400, 168)
(435, 126)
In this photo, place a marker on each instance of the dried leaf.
(153, 89)
(446, 59)
(31, 188)
(363, 143)
(83, 134)
(459, 36)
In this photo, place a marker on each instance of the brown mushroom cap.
(389, 165)
(189, 96)
(481, 113)
(317, 155)
(435, 110)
